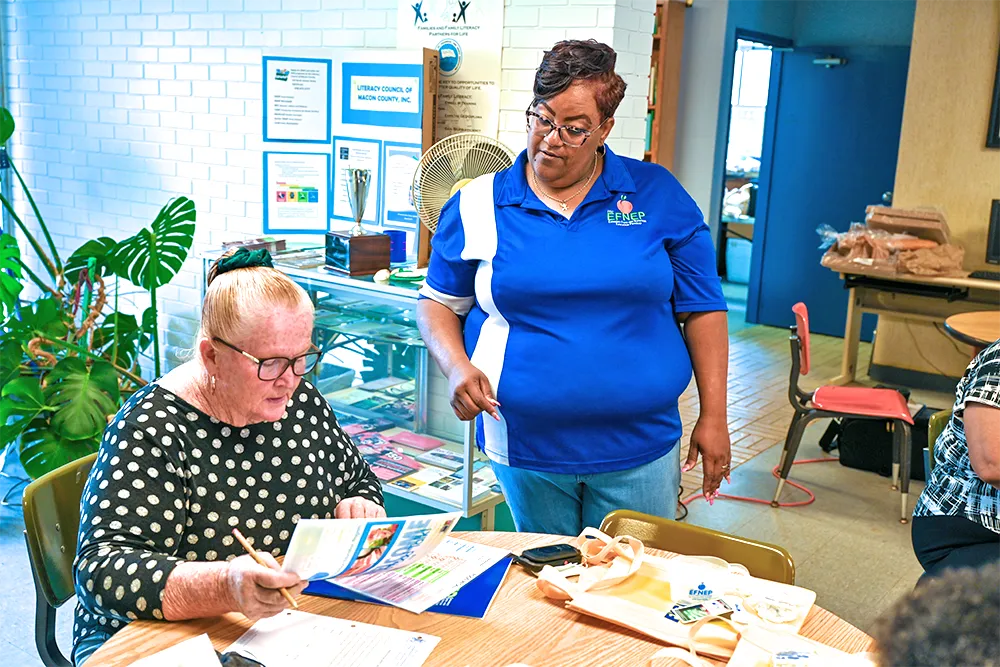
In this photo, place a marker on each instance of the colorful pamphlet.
(406, 561)
(472, 600)
(415, 480)
(387, 462)
(451, 489)
(399, 409)
(443, 458)
(401, 390)
(421, 442)
(371, 403)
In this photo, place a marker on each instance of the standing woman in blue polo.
(567, 301)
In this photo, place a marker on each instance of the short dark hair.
(576, 60)
(952, 619)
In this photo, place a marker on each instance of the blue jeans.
(565, 504)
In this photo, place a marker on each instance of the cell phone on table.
(554, 554)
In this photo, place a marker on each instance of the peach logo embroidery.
(625, 216)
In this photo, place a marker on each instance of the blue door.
(831, 138)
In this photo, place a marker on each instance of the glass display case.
(389, 394)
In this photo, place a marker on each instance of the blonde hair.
(234, 294)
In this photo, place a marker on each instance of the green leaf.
(99, 248)
(10, 274)
(45, 317)
(42, 450)
(21, 401)
(11, 355)
(148, 328)
(6, 125)
(82, 397)
(122, 330)
(151, 258)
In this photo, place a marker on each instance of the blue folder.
(472, 600)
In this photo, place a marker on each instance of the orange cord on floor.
(774, 471)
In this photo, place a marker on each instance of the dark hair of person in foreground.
(952, 619)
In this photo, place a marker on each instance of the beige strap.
(690, 656)
(607, 561)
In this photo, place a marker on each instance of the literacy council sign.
(382, 93)
(386, 95)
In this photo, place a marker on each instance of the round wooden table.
(978, 329)
(522, 626)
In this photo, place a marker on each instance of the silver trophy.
(358, 182)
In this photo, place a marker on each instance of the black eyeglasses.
(273, 368)
(570, 135)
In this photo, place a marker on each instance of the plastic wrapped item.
(941, 260)
(888, 252)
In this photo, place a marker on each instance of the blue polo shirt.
(573, 320)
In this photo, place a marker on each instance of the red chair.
(833, 402)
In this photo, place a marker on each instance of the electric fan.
(451, 163)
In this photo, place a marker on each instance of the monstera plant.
(69, 357)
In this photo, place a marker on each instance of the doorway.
(831, 141)
(744, 144)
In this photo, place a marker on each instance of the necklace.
(562, 202)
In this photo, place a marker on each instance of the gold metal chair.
(51, 520)
(935, 427)
(763, 560)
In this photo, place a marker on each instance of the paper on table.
(295, 638)
(429, 580)
(194, 652)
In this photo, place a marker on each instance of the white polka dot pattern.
(170, 483)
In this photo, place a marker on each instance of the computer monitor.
(993, 239)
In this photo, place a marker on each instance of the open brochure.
(408, 562)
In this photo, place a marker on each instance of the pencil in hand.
(253, 554)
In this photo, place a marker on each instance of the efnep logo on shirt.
(625, 216)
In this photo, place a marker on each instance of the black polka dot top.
(170, 483)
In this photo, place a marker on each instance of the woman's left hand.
(710, 438)
(358, 508)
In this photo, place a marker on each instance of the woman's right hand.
(254, 588)
(471, 393)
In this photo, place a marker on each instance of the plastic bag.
(828, 236)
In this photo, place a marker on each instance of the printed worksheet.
(295, 638)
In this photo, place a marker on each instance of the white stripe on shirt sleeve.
(460, 305)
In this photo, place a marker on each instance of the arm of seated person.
(982, 435)
(200, 589)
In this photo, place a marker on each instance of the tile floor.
(852, 522)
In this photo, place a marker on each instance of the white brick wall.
(123, 104)
(532, 26)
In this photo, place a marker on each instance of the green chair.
(935, 427)
(51, 520)
(763, 560)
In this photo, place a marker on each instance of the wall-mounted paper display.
(297, 99)
(378, 115)
(382, 94)
(356, 153)
(468, 37)
(297, 194)
(400, 161)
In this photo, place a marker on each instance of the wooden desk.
(522, 626)
(978, 329)
(886, 294)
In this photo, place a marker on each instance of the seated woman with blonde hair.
(234, 438)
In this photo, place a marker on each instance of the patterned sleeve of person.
(132, 517)
(982, 381)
